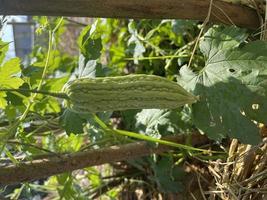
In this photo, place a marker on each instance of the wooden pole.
(52, 165)
(222, 12)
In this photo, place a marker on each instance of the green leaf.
(90, 68)
(180, 26)
(14, 99)
(168, 177)
(8, 74)
(135, 45)
(3, 50)
(55, 84)
(46, 105)
(71, 143)
(85, 33)
(231, 86)
(90, 42)
(72, 122)
(94, 176)
(92, 49)
(10, 112)
(3, 102)
(158, 122)
(9, 78)
(68, 191)
(221, 38)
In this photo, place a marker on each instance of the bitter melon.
(125, 92)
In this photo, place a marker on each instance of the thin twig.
(200, 33)
(225, 14)
(200, 187)
(29, 145)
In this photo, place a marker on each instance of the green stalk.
(157, 57)
(148, 138)
(60, 95)
(50, 44)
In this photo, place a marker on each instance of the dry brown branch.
(42, 168)
(154, 9)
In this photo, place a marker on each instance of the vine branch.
(60, 95)
(43, 168)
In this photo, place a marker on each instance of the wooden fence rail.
(222, 12)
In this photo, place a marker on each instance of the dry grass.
(243, 176)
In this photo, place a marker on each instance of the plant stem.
(26, 111)
(149, 139)
(157, 57)
(60, 95)
(50, 43)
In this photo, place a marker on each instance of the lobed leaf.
(231, 86)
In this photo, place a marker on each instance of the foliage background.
(228, 73)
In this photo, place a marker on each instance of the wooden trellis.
(222, 12)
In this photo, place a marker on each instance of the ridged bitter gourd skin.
(125, 92)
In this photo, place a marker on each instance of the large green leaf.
(231, 86)
(220, 38)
